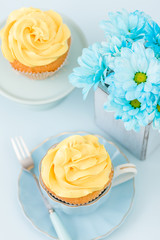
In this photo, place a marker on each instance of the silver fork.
(27, 164)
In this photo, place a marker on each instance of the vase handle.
(123, 173)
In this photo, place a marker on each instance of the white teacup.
(122, 173)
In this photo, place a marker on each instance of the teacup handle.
(123, 173)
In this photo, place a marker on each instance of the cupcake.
(77, 170)
(35, 42)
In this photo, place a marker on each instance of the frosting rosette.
(76, 167)
(34, 37)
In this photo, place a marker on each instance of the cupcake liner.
(43, 75)
(40, 76)
(36, 76)
(94, 197)
(53, 197)
(76, 205)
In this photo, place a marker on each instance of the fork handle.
(60, 229)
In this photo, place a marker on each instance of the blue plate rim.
(77, 132)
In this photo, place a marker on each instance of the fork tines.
(22, 152)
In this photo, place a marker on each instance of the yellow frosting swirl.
(77, 166)
(34, 37)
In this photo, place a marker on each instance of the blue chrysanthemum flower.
(132, 113)
(156, 120)
(113, 46)
(147, 18)
(93, 69)
(137, 72)
(129, 25)
(152, 37)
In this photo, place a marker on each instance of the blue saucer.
(96, 225)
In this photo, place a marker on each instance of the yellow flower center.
(158, 107)
(135, 103)
(140, 77)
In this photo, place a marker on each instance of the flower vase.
(140, 144)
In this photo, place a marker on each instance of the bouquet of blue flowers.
(129, 63)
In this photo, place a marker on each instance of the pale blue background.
(72, 115)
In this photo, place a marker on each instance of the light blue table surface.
(71, 115)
